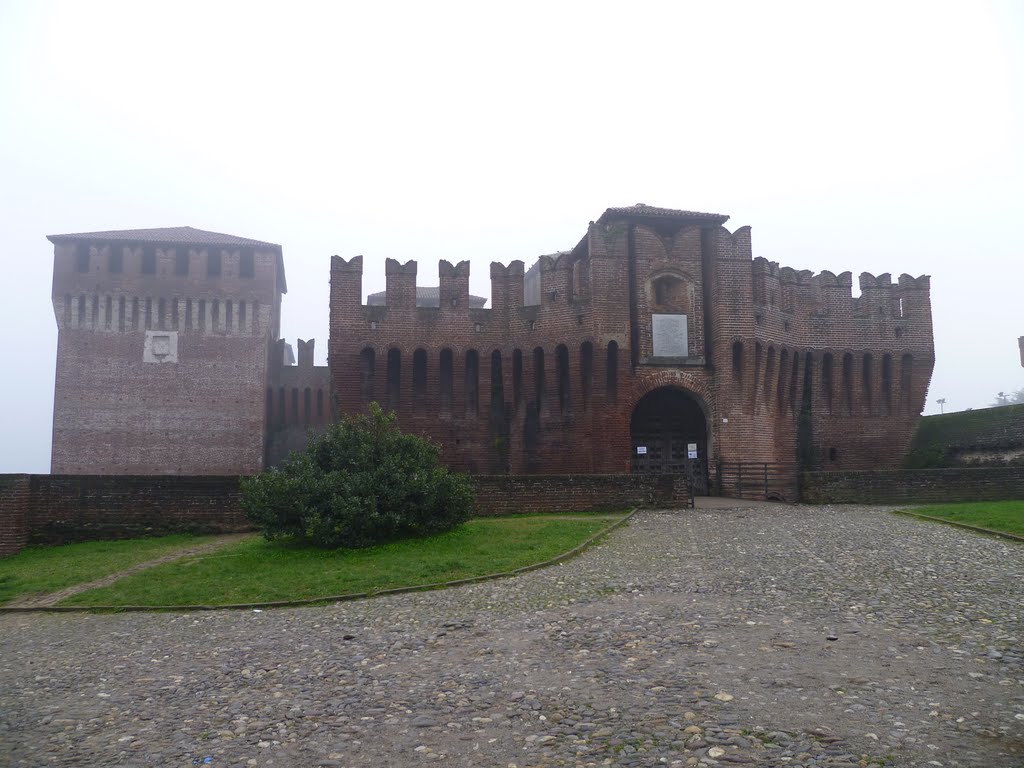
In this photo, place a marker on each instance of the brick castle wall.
(552, 387)
(911, 486)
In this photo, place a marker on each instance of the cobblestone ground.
(781, 636)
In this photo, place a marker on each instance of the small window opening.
(202, 314)
(149, 260)
(472, 383)
(612, 372)
(174, 314)
(497, 386)
(82, 258)
(108, 313)
(135, 313)
(81, 311)
(887, 383)
(247, 264)
(848, 383)
(833, 454)
(295, 405)
(320, 406)
(149, 314)
(769, 374)
(737, 362)
(229, 318)
(562, 370)
(94, 320)
(181, 257)
(120, 314)
(538, 377)
(906, 380)
(517, 376)
(419, 378)
(307, 406)
(188, 314)
(446, 379)
(868, 376)
(826, 380)
(394, 378)
(586, 372)
(783, 371)
(115, 260)
(241, 315)
(281, 417)
(213, 263)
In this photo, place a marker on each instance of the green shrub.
(361, 483)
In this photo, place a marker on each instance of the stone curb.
(968, 526)
(579, 549)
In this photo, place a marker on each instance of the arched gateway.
(669, 433)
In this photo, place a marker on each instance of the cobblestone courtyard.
(775, 636)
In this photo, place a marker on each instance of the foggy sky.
(878, 137)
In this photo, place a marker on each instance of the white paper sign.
(641, 450)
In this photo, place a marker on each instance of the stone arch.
(667, 422)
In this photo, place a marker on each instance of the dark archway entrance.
(667, 428)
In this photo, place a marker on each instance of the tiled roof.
(426, 296)
(184, 235)
(650, 211)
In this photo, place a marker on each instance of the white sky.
(862, 136)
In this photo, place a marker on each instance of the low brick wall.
(913, 485)
(14, 496)
(512, 494)
(55, 509)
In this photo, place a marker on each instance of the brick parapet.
(912, 486)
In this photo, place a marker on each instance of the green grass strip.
(1005, 517)
(255, 572)
(40, 569)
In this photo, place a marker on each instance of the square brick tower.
(163, 351)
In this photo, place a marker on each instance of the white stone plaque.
(670, 337)
(160, 347)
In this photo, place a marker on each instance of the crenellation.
(400, 281)
(453, 286)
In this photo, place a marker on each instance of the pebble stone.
(802, 636)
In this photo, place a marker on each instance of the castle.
(656, 344)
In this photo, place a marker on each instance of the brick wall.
(298, 400)
(14, 498)
(55, 509)
(513, 494)
(913, 486)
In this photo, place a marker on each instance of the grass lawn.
(255, 570)
(48, 569)
(1005, 516)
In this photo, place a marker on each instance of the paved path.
(693, 638)
(52, 598)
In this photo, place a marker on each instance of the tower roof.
(174, 236)
(165, 235)
(644, 211)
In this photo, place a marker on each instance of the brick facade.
(163, 351)
(554, 387)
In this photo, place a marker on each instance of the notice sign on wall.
(670, 337)
(691, 450)
(641, 450)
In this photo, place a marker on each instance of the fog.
(878, 137)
